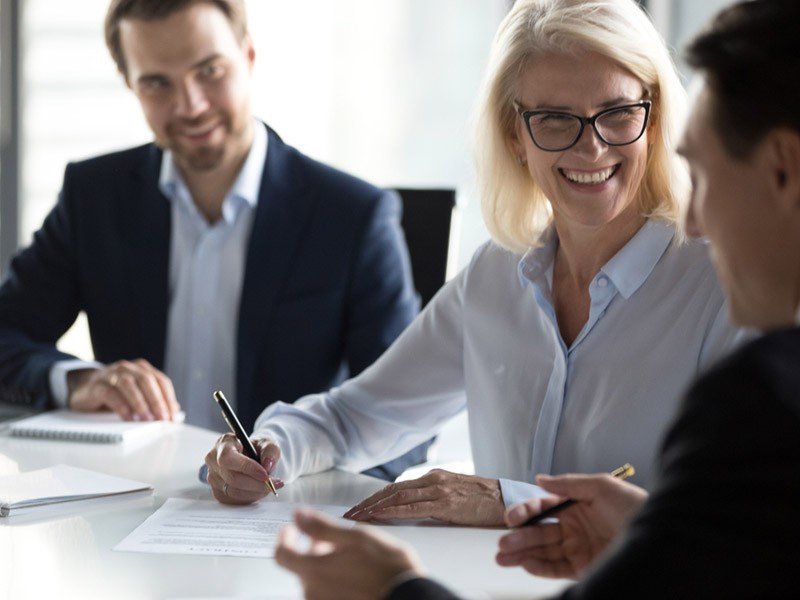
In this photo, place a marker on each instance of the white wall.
(680, 20)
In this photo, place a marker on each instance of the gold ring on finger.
(113, 379)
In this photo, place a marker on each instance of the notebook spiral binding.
(73, 436)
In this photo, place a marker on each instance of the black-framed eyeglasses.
(555, 131)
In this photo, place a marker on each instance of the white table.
(68, 554)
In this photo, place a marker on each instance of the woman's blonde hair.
(515, 209)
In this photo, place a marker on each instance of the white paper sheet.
(207, 527)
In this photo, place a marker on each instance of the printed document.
(207, 527)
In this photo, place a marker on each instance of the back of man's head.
(153, 10)
(750, 56)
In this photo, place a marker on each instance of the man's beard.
(202, 159)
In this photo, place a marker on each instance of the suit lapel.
(284, 205)
(145, 230)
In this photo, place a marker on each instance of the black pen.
(236, 427)
(623, 472)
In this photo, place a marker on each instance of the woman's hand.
(237, 479)
(441, 495)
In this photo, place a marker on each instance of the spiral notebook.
(103, 428)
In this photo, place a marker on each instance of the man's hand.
(604, 507)
(135, 390)
(236, 479)
(440, 495)
(343, 563)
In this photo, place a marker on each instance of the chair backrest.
(427, 219)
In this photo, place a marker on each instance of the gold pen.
(624, 471)
(236, 427)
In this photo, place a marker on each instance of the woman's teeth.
(592, 178)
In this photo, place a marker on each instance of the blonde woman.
(571, 335)
(721, 522)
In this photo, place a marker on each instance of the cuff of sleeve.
(399, 580)
(416, 586)
(58, 377)
(515, 492)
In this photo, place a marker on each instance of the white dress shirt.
(489, 343)
(206, 269)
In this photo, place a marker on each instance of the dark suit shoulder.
(115, 163)
(727, 410)
(340, 189)
(721, 521)
(96, 187)
(768, 364)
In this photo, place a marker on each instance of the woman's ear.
(516, 146)
(653, 130)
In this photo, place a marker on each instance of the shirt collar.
(246, 186)
(628, 269)
(248, 183)
(538, 261)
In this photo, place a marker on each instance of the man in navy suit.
(217, 258)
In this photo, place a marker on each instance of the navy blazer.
(327, 283)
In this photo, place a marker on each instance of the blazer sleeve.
(421, 588)
(39, 301)
(722, 520)
(381, 296)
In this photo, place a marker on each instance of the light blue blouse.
(489, 343)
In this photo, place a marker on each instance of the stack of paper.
(25, 492)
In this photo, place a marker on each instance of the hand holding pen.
(621, 473)
(602, 505)
(239, 468)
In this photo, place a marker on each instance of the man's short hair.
(153, 10)
(751, 59)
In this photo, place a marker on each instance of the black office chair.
(427, 218)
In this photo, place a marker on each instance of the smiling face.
(192, 77)
(749, 209)
(590, 184)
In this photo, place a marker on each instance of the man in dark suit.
(217, 258)
(722, 519)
